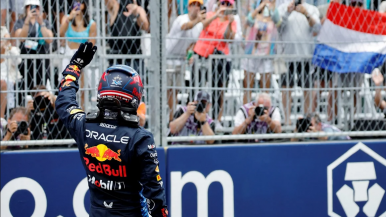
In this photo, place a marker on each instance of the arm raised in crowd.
(207, 21)
(192, 23)
(140, 13)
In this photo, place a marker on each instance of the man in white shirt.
(300, 23)
(258, 117)
(183, 33)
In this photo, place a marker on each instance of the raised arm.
(66, 105)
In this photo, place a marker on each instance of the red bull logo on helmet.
(101, 152)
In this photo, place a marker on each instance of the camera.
(200, 107)
(298, 2)
(22, 128)
(303, 124)
(41, 103)
(259, 110)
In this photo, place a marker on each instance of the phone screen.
(33, 7)
(76, 5)
(230, 11)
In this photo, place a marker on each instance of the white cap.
(31, 2)
(382, 7)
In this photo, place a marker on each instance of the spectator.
(217, 25)
(14, 8)
(299, 24)
(127, 18)
(186, 28)
(315, 125)
(9, 72)
(247, 121)
(262, 29)
(33, 26)
(193, 120)
(141, 112)
(378, 79)
(45, 123)
(77, 24)
(382, 7)
(345, 80)
(17, 127)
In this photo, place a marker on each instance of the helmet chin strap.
(125, 116)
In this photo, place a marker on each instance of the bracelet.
(43, 25)
(203, 122)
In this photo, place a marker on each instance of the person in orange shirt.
(219, 25)
(141, 112)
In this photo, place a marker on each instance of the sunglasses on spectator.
(354, 4)
(226, 3)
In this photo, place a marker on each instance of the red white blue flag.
(351, 40)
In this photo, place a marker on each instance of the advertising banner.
(321, 179)
(333, 179)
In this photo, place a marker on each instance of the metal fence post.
(155, 71)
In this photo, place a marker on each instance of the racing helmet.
(123, 83)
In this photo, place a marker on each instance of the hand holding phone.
(230, 11)
(303, 124)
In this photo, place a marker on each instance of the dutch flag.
(351, 40)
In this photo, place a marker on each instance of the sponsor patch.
(159, 178)
(74, 111)
(157, 169)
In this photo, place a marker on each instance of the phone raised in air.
(203, 8)
(230, 11)
(76, 5)
(298, 2)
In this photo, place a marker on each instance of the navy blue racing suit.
(121, 162)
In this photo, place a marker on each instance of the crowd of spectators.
(203, 28)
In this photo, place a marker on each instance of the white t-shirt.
(178, 47)
(295, 28)
(240, 118)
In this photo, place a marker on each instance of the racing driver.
(119, 156)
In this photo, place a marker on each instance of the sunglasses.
(354, 4)
(226, 3)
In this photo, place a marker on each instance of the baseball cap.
(199, 1)
(202, 95)
(382, 7)
(230, 1)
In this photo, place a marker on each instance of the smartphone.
(230, 11)
(303, 124)
(33, 7)
(203, 8)
(298, 2)
(76, 5)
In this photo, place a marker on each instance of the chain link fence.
(219, 71)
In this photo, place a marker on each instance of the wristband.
(43, 25)
(202, 123)
(9, 130)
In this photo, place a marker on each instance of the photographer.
(313, 124)
(258, 117)
(45, 123)
(17, 127)
(193, 120)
